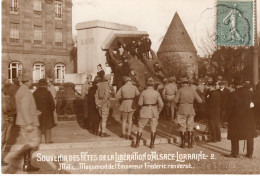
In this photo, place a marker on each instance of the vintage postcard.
(130, 87)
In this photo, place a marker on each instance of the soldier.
(152, 104)
(241, 120)
(103, 104)
(168, 95)
(27, 119)
(185, 113)
(127, 94)
(213, 107)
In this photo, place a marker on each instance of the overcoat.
(92, 109)
(26, 107)
(213, 104)
(241, 122)
(45, 103)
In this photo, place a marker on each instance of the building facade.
(37, 37)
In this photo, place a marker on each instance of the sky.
(153, 16)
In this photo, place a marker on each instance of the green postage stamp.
(235, 22)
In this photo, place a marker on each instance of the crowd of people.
(32, 111)
(234, 106)
(183, 102)
(117, 59)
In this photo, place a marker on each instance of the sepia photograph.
(130, 87)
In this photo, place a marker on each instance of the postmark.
(235, 22)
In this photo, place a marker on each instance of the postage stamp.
(235, 22)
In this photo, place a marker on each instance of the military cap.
(184, 80)
(150, 81)
(127, 79)
(172, 79)
(165, 80)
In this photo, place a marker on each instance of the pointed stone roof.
(176, 38)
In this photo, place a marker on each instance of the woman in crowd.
(100, 72)
(45, 103)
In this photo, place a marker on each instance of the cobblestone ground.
(215, 163)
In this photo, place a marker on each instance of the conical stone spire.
(176, 38)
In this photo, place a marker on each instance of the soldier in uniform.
(127, 94)
(185, 113)
(103, 104)
(152, 104)
(27, 119)
(168, 95)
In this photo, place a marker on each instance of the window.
(14, 32)
(14, 69)
(37, 34)
(58, 10)
(13, 6)
(37, 6)
(38, 71)
(58, 36)
(59, 73)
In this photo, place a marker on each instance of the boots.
(138, 138)
(152, 140)
(190, 138)
(183, 135)
(28, 167)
